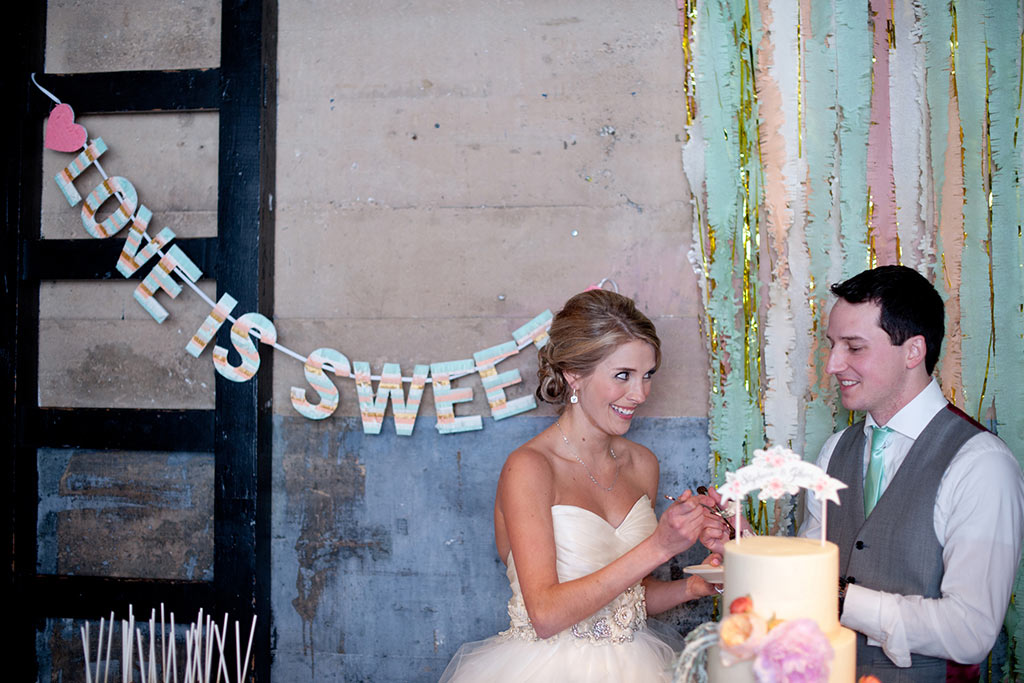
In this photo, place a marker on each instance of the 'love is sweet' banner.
(174, 269)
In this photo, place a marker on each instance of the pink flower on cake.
(795, 651)
(740, 636)
(741, 604)
(775, 488)
(826, 488)
(776, 456)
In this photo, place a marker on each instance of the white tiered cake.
(781, 594)
(786, 579)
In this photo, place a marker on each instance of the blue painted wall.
(383, 547)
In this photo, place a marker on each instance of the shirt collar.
(912, 418)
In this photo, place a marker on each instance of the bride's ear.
(572, 379)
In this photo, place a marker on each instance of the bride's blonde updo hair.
(590, 326)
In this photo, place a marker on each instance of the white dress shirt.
(979, 519)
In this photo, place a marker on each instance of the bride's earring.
(574, 398)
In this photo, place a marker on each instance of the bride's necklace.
(580, 461)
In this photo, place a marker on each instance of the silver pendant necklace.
(580, 461)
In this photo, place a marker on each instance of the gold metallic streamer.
(987, 144)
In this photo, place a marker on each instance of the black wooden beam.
(23, 52)
(131, 91)
(243, 430)
(92, 597)
(87, 259)
(121, 429)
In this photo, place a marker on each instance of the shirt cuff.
(864, 611)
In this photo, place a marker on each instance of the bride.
(574, 516)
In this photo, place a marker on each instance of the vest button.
(859, 545)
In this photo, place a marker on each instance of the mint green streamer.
(975, 287)
(821, 132)
(1006, 384)
(936, 29)
(717, 76)
(728, 113)
(837, 61)
(854, 42)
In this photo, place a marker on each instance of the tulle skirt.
(565, 658)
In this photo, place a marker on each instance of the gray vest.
(895, 549)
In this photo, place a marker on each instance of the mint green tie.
(876, 465)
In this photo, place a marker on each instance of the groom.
(929, 528)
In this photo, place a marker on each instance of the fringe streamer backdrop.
(828, 137)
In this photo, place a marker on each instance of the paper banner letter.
(160, 278)
(318, 361)
(131, 258)
(221, 310)
(405, 410)
(495, 382)
(372, 405)
(250, 323)
(446, 396)
(75, 168)
(535, 331)
(127, 197)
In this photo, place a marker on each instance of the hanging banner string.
(195, 288)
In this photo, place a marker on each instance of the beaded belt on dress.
(614, 623)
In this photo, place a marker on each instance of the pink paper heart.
(62, 133)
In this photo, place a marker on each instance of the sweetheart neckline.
(613, 526)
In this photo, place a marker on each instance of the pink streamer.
(773, 158)
(951, 233)
(880, 174)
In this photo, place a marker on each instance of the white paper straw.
(824, 521)
(110, 640)
(152, 646)
(222, 665)
(188, 657)
(163, 645)
(220, 633)
(99, 652)
(142, 656)
(248, 650)
(209, 649)
(174, 658)
(85, 646)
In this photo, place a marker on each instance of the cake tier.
(788, 578)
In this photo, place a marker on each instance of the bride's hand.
(696, 587)
(744, 529)
(681, 524)
(714, 535)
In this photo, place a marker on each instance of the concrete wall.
(446, 171)
(384, 558)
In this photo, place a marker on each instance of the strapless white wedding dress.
(615, 644)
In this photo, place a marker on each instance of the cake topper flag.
(778, 471)
(62, 133)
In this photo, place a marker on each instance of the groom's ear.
(916, 350)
